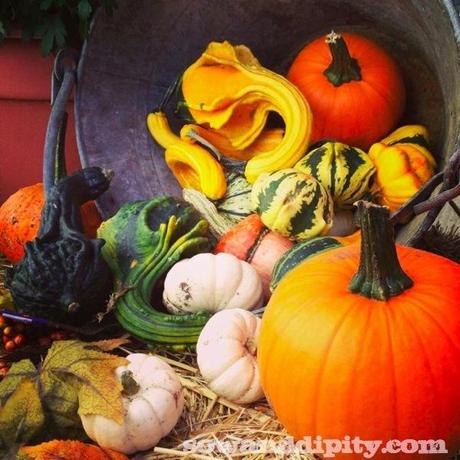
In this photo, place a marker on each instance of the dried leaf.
(75, 377)
(111, 344)
(93, 371)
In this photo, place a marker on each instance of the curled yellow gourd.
(192, 165)
(228, 91)
(403, 164)
(266, 142)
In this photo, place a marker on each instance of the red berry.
(8, 331)
(2, 322)
(10, 345)
(44, 342)
(58, 335)
(3, 371)
(19, 340)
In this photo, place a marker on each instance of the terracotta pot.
(24, 111)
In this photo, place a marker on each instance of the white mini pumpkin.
(226, 355)
(153, 402)
(212, 282)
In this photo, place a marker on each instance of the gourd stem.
(53, 136)
(379, 275)
(60, 169)
(130, 386)
(343, 68)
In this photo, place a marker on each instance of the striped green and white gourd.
(236, 204)
(345, 171)
(293, 204)
(299, 253)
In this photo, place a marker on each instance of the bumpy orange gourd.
(69, 450)
(353, 86)
(20, 220)
(335, 362)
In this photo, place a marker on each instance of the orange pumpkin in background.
(354, 88)
(356, 342)
(20, 220)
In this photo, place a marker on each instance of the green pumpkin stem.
(130, 386)
(379, 275)
(343, 68)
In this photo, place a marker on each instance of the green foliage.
(57, 22)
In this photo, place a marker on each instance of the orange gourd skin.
(251, 241)
(20, 220)
(70, 450)
(335, 363)
(357, 113)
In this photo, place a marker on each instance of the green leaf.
(21, 418)
(46, 4)
(47, 42)
(2, 30)
(18, 372)
(84, 9)
(55, 35)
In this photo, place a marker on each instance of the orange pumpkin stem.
(343, 68)
(380, 275)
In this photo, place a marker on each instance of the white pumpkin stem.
(130, 386)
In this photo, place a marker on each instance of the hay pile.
(208, 418)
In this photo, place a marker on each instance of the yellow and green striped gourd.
(293, 204)
(236, 203)
(344, 171)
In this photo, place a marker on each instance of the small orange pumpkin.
(353, 86)
(356, 342)
(20, 220)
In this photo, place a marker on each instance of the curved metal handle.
(63, 81)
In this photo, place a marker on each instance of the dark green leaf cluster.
(57, 22)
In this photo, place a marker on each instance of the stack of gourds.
(274, 200)
(298, 192)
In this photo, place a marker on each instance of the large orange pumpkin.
(374, 355)
(20, 220)
(353, 86)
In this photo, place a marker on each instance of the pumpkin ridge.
(154, 412)
(424, 351)
(355, 368)
(225, 369)
(250, 380)
(322, 368)
(439, 326)
(392, 372)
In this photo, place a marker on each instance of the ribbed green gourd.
(143, 241)
(236, 204)
(293, 204)
(299, 253)
(345, 171)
